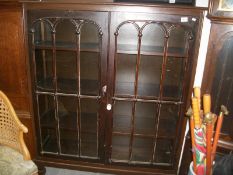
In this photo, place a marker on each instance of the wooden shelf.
(145, 90)
(225, 141)
(70, 147)
(123, 124)
(88, 87)
(151, 50)
(69, 46)
(142, 153)
(69, 121)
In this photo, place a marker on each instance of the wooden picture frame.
(225, 5)
(221, 9)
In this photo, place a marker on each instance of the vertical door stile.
(54, 61)
(78, 33)
(100, 95)
(135, 90)
(34, 56)
(188, 40)
(115, 63)
(166, 39)
(35, 81)
(43, 53)
(113, 91)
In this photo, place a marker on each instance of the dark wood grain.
(14, 67)
(159, 159)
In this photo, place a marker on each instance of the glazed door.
(149, 61)
(68, 58)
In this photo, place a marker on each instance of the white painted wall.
(202, 3)
(200, 67)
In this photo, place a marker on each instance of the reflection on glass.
(46, 111)
(172, 85)
(42, 35)
(152, 39)
(150, 70)
(89, 61)
(221, 92)
(126, 64)
(65, 33)
(49, 140)
(177, 41)
(89, 37)
(122, 113)
(44, 69)
(164, 150)
(89, 127)
(145, 118)
(67, 112)
(69, 142)
(168, 120)
(125, 74)
(120, 147)
(142, 149)
(48, 123)
(89, 73)
(127, 39)
(66, 71)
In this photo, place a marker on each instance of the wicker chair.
(14, 156)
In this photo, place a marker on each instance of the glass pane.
(122, 112)
(46, 111)
(49, 140)
(89, 73)
(67, 113)
(145, 118)
(68, 124)
(48, 123)
(169, 115)
(177, 41)
(66, 71)
(152, 39)
(142, 149)
(65, 34)
(89, 38)
(89, 127)
(69, 142)
(44, 69)
(127, 41)
(125, 74)
(42, 35)
(164, 150)
(172, 86)
(126, 63)
(120, 147)
(150, 70)
(223, 84)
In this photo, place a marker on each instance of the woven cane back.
(11, 129)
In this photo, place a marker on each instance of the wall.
(200, 66)
(202, 3)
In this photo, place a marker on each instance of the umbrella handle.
(197, 94)
(196, 114)
(206, 103)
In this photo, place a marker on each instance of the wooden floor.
(57, 171)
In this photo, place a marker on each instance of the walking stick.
(206, 103)
(196, 114)
(223, 112)
(197, 94)
(209, 130)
